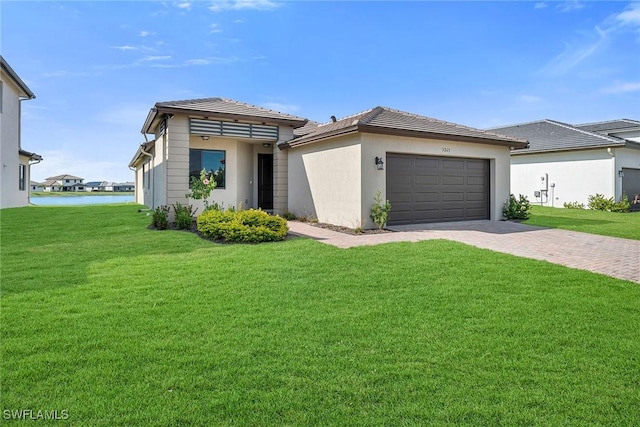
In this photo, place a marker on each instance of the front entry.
(265, 181)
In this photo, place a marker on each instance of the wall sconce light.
(266, 144)
(379, 163)
(621, 173)
(205, 137)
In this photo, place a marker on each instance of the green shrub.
(184, 216)
(573, 205)
(289, 216)
(518, 209)
(160, 218)
(250, 226)
(622, 206)
(598, 202)
(380, 211)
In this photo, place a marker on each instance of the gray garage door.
(631, 182)
(423, 189)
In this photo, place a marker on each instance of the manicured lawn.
(626, 225)
(123, 326)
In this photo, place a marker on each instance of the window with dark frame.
(22, 178)
(212, 161)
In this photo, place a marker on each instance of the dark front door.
(265, 181)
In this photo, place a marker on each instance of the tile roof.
(53, 178)
(224, 108)
(610, 125)
(550, 135)
(306, 129)
(391, 121)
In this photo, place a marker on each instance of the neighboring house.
(430, 170)
(15, 163)
(36, 186)
(124, 186)
(64, 183)
(566, 163)
(106, 186)
(92, 186)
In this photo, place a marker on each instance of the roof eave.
(320, 137)
(28, 94)
(442, 136)
(188, 111)
(558, 150)
(31, 156)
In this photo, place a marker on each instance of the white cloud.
(220, 5)
(184, 5)
(530, 99)
(125, 47)
(283, 108)
(622, 87)
(197, 62)
(540, 5)
(155, 58)
(631, 16)
(144, 33)
(215, 28)
(570, 6)
(238, 21)
(577, 53)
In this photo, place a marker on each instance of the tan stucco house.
(15, 163)
(430, 170)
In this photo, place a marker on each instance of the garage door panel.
(424, 189)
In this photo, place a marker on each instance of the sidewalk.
(612, 256)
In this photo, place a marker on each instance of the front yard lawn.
(626, 225)
(123, 326)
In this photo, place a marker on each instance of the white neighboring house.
(36, 186)
(64, 182)
(566, 163)
(429, 169)
(15, 163)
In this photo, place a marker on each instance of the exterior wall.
(325, 181)
(281, 172)
(576, 175)
(10, 195)
(378, 145)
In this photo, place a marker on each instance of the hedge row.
(250, 226)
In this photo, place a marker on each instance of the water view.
(79, 200)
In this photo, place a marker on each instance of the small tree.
(380, 211)
(201, 187)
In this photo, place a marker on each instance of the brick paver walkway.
(606, 255)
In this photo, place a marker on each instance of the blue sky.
(97, 67)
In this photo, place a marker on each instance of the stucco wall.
(625, 158)
(280, 171)
(325, 181)
(378, 145)
(10, 195)
(576, 175)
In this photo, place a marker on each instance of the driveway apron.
(611, 256)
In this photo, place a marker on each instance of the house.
(430, 170)
(567, 163)
(64, 182)
(106, 186)
(124, 186)
(92, 186)
(15, 170)
(36, 186)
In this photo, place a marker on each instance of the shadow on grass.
(565, 222)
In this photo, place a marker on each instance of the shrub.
(518, 209)
(289, 216)
(250, 226)
(573, 205)
(202, 186)
(160, 218)
(184, 216)
(380, 211)
(622, 206)
(598, 202)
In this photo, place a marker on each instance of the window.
(212, 161)
(22, 178)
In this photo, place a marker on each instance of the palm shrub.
(250, 226)
(518, 209)
(380, 211)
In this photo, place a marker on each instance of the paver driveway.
(612, 256)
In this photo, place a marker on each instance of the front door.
(265, 181)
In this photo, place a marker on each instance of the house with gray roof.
(430, 170)
(568, 163)
(15, 173)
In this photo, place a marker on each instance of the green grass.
(123, 326)
(626, 225)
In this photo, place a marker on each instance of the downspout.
(615, 179)
(153, 192)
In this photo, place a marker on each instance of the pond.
(79, 200)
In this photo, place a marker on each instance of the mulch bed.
(347, 230)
